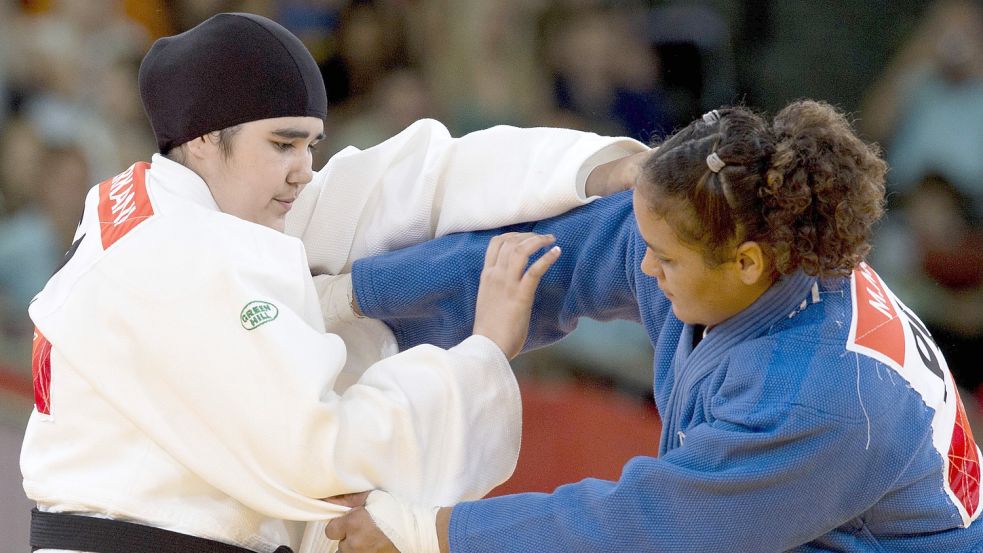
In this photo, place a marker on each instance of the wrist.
(627, 170)
(499, 342)
(616, 175)
(444, 529)
(353, 303)
(598, 178)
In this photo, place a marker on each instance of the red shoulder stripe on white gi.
(123, 203)
(41, 372)
(884, 329)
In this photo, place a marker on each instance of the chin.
(679, 314)
(687, 318)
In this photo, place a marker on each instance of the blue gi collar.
(777, 303)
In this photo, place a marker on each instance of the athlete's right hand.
(618, 175)
(508, 288)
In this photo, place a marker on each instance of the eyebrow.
(657, 251)
(292, 134)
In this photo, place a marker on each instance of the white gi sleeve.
(423, 183)
(218, 362)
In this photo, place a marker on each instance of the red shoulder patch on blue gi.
(41, 372)
(885, 330)
(964, 462)
(877, 326)
(123, 203)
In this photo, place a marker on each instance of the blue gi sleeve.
(426, 293)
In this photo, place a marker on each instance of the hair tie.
(715, 163)
(711, 117)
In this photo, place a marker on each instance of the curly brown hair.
(806, 187)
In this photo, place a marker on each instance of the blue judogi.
(803, 423)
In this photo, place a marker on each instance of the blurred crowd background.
(909, 71)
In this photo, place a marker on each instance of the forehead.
(295, 127)
(654, 228)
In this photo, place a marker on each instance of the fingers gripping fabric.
(411, 528)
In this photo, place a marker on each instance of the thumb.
(337, 528)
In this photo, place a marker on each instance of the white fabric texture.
(166, 410)
(411, 528)
(422, 183)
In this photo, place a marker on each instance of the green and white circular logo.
(257, 313)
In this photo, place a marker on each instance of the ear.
(203, 147)
(753, 265)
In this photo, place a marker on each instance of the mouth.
(285, 203)
(669, 296)
(662, 288)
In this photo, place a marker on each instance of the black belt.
(101, 535)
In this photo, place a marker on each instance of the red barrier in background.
(16, 382)
(572, 431)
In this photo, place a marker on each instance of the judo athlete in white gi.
(804, 407)
(185, 386)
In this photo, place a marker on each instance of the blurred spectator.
(397, 100)
(70, 55)
(369, 43)
(6, 53)
(72, 83)
(932, 245)
(315, 22)
(605, 72)
(185, 14)
(121, 114)
(42, 188)
(927, 109)
(64, 181)
(693, 44)
(480, 60)
(787, 49)
(29, 247)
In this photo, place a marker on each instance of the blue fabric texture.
(775, 437)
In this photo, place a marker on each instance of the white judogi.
(421, 184)
(192, 386)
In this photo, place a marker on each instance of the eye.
(313, 146)
(283, 146)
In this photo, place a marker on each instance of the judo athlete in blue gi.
(804, 407)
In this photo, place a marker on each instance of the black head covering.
(230, 69)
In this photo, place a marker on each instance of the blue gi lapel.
(691, 365)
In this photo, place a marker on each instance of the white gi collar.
(177, 180)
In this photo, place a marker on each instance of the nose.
(651, 266)
(302, 169)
